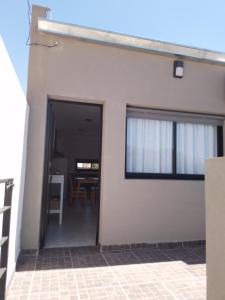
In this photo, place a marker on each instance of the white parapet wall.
(215, 228)
(14, 112)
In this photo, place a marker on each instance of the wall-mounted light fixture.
(178, 69)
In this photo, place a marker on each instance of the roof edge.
(130, 42)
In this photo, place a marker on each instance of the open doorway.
(71, 186)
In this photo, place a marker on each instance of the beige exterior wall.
(215, 228)
(131, 210)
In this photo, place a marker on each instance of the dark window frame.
(174, 174)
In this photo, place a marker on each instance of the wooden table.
(82, 180)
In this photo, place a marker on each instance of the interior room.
(74, 175)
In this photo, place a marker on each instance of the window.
(195, 144)
(86, 165)
(149, 146)
(161, 144)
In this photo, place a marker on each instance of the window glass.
(195, 144)
(163, 144)
(149, 146)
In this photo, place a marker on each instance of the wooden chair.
(94, 193)
(74, 192)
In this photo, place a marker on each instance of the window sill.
(164, 176)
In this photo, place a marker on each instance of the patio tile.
(199, 251)
(198, 270)
(20, 284)
(88, 261)
(181, 254)
(146, 255)
(26, 263)
(122, 258)
(49, 263)
(142, 273)
(103, 294)
(187, 289)
(95, 277)
(74, 251)
(147, 291)
(54, 252)
(130, 275)
(168, 271)
(48, 281)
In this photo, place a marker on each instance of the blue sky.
(196, 23)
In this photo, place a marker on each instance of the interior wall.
(76, 136)
(77, 146)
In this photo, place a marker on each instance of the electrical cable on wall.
(29, 24)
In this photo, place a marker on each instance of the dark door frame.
(46, 161)
(45, 185)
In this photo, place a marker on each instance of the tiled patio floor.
(145, 273)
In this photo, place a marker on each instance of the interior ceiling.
(77, 118)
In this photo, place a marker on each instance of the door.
(49, 147)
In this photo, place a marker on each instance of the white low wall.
(215, 228)
(13, 132)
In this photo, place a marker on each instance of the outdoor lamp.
(178, 69)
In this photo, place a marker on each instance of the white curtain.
(149, 146)
(195, 144)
